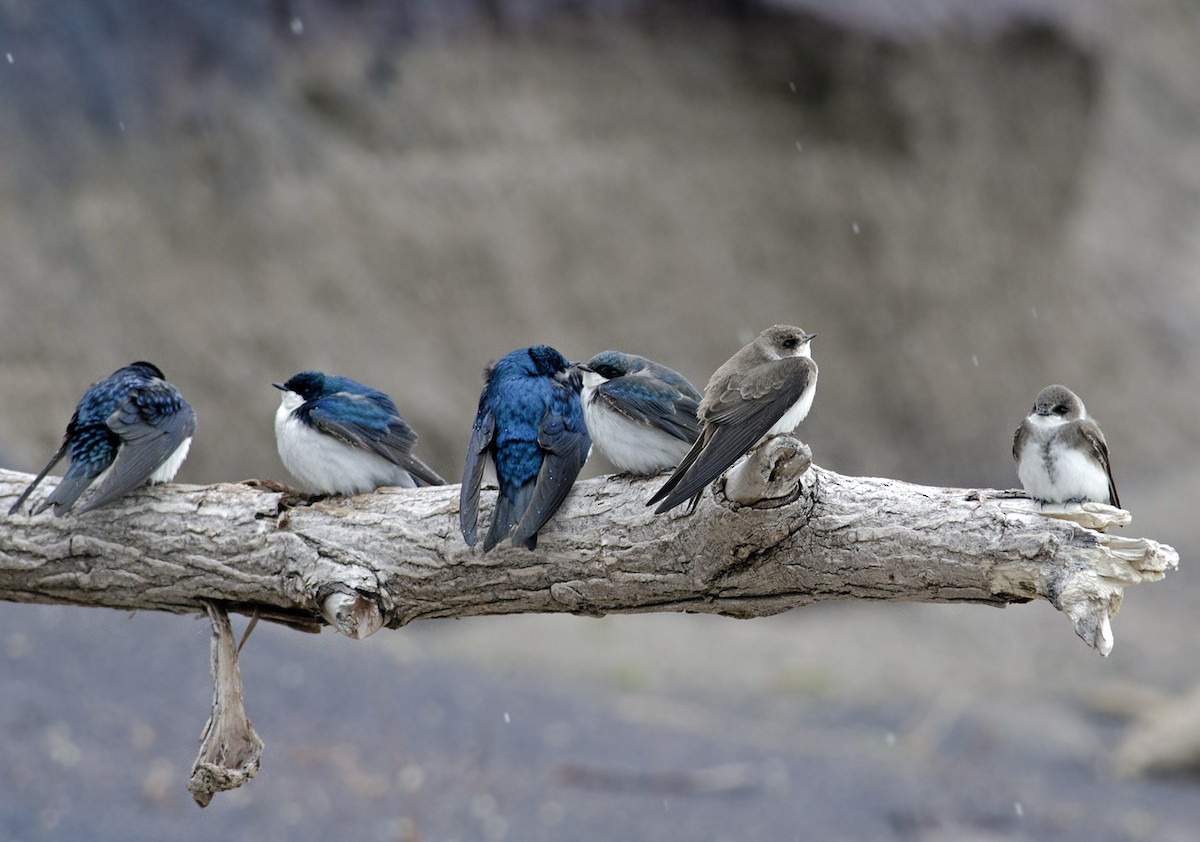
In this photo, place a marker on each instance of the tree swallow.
(130, 428)
(641, 415)
(337, 436)
(1061, 453)
(764, 389)
(530, 425)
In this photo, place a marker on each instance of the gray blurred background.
(966, 202)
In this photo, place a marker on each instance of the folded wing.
(362, 422)
(742, 413)
(483, 431)
(566, 444)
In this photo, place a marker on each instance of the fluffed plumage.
(640, 414)
(128, 429)
(530, 426)
(338, 436)
(1061, 454)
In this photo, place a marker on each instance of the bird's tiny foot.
(292, 497)
(268, 484)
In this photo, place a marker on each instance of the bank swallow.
(1061, 454)
(765, 388)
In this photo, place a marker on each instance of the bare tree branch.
(230, 750)
(795, 535)
(778, 532)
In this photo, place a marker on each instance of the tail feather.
(509, 509)
(680, 473)
(65, 495)
(422, 472)
(54, 460)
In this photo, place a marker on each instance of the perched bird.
(530, 425)
(1061, 453)
(337, 436)
(641, 415)
(130, 428)
(763, 389)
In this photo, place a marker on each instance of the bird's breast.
(632, 446)
(797, 412)
(327, 465)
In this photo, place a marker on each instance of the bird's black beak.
(280, 387)
(811, 337)
(582, 367)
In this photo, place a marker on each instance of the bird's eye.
(1061, 409)
(789, 342)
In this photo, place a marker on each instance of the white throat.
(289, 401)
(591, 380)
(1047, 422)
(803, 350)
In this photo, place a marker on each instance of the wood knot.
(770, 476)
(354, 614)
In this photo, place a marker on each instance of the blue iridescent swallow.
(530, 426)
(130, 428)
(640, 414)
(337, 436)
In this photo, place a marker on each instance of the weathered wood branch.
(230, 750)
(777, 533)
(796, 534)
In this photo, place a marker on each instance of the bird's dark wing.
(426, 474)
(681, 470)
(749, 406)
(64, 495)
(1099, 448)
(566, 444)
(672, 378)
(361, 422)
(54, 460)
(656, 404)
(91, 448)
(509, 509)
(482, 433)
(147, 440)
(766, 391)
(1016, 441)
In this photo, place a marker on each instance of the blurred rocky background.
(966, 201)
